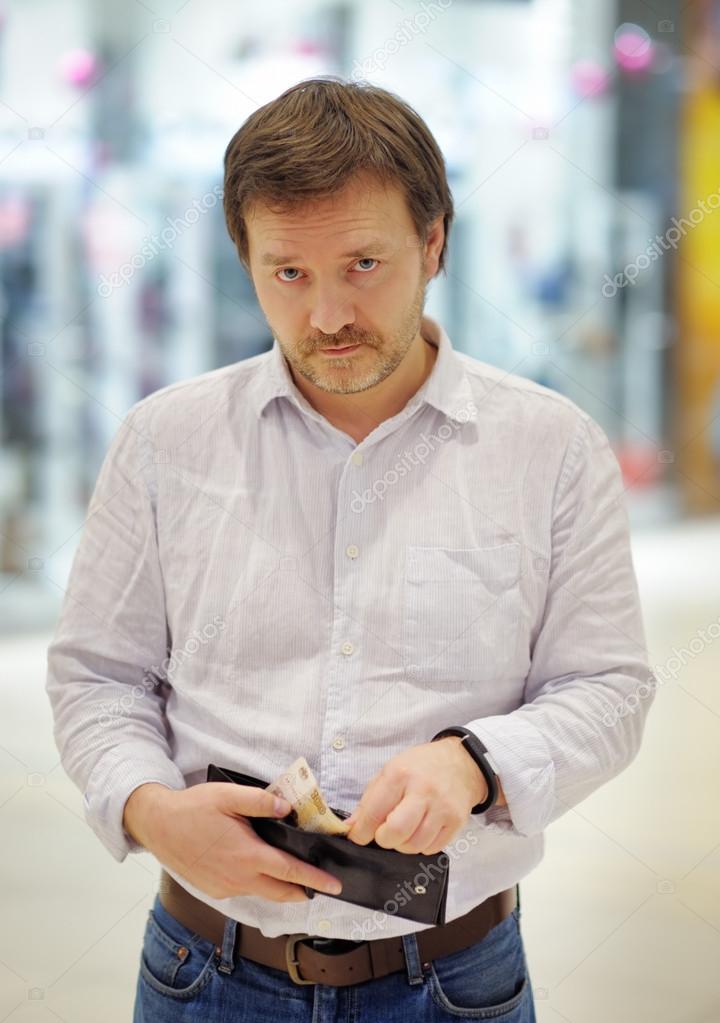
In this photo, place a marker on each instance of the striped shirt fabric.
(252, 585)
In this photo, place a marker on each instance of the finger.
(250, 801)
(288, 868)
(270, 888)
(439, 842)
(402, 822)
(380, 797)
(424, 836)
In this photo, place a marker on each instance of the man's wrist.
(139, 809)
(481, 793)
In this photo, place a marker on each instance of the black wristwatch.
(480, 755)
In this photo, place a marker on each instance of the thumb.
(251, 801)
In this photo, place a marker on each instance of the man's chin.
(340, 381)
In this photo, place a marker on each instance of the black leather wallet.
(406, 885)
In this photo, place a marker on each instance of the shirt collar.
(447, 388)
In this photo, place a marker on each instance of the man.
(339, 549)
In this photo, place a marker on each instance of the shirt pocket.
(461, 613)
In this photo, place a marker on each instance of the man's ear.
(433, 246)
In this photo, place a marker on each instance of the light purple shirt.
(300, 594)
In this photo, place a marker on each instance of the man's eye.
(367, 259)
(285, 269)
(294, 269)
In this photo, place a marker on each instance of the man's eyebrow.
(374, 247)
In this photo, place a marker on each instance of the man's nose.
(331, 311)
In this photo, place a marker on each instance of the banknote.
(299, 786)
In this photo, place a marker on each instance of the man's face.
(345, 271)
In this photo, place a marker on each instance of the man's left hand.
(420, 799)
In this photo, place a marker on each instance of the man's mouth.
(342, 350)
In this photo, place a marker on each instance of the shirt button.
(347, 649)
(339, 743)
(356, 457)
(324, 926)
(352, 551)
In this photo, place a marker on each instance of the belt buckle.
(291, 960)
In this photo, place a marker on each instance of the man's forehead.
(361, 203)
(359, 210)
(362, 231)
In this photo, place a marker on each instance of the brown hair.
(310, 141)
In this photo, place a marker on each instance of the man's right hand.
(201, 833)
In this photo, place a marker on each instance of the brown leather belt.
(363, 960)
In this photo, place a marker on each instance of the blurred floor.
(621, 920)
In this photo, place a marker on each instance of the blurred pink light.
(78, 67)
(308, 47)
(633, 48)
(14, 221)
(589, 78)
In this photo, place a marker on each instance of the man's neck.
(359, 414)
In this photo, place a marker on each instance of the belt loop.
(412, 959)
(227, 958)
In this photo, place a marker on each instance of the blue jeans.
(488, 980)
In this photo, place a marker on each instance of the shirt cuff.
(525, 768)
(109, 787)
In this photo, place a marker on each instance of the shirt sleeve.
(106, 657)
(589, 688)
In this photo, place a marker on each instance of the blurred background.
(582, 142)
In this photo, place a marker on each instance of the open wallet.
(406, 885)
